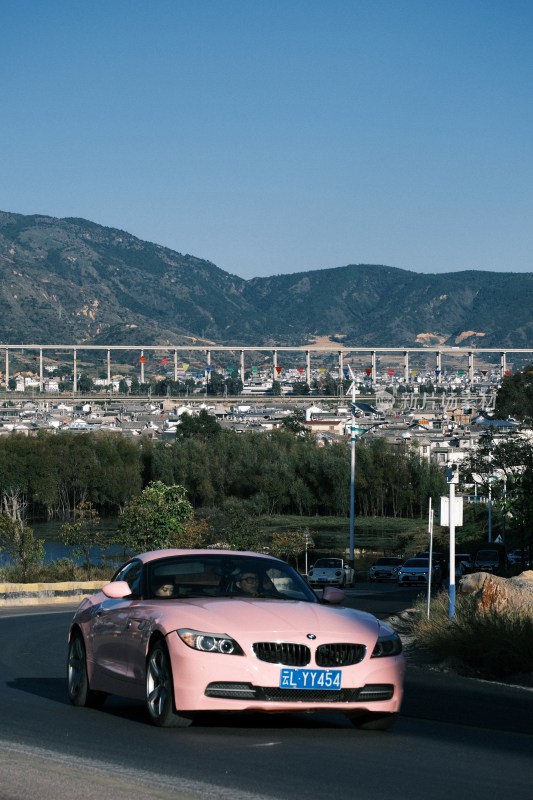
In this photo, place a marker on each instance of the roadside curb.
(20, 594)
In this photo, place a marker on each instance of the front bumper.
(216, 682)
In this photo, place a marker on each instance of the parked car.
(490, 558)
(519, 557)
(416, 571)
(188, 631)
(385, 569)
(331, 572)
(463, 564)
(439, 558)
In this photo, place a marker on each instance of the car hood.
(258, 617)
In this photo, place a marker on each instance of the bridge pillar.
(471, 367)
(438, 367)
(503, 364)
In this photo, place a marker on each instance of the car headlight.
(388, 644)
(210, 642)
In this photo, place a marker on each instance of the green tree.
(21, 545)
(508, 466)
(234, 386)
(215, 383)
(515, 396)
(82, 534)
(155, 519)
(289, 544)
(201, 426)
(300, 388)
(295, 422)
(238, 530)
(85, 383)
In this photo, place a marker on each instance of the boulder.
(494, 593)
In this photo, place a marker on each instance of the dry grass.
(493, 644)
(55, 572)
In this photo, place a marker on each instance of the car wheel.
(159, 690)
(368, 721)
(79, 691)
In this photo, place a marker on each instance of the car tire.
(79, 692)
(160, 690)
(368, 721)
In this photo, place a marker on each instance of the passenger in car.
(248, 583)
(165, 589)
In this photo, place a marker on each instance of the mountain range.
(73, 281)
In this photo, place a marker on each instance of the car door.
(115, 627)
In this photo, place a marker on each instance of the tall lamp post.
(356, 433)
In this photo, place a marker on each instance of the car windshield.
(387, 562)
(417, 562)
(487, 555)
(225, 575)
(328, 563)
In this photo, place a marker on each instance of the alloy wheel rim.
(75, 666)
(157, 683)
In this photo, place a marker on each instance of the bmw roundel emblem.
(311, 636)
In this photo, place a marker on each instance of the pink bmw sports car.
(214, 630)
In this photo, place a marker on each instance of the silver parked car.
(416, 571)
(385, 569)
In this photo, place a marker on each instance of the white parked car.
(416, 571)
(385, 569)
(330, 572)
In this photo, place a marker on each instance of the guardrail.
(19, 594)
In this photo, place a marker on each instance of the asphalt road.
(456, 737)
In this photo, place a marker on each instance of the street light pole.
(490, 508)
(356, 432)
(352, 483)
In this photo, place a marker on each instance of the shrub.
(495, 644)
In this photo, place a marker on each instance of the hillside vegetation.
(72, 281)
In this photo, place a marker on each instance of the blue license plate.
(310, 679)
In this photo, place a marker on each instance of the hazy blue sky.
(278, 136)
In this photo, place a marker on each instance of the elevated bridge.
(201, 358)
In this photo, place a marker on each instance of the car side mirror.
(117, 590)
(332, 595)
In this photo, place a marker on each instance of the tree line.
(49, 475)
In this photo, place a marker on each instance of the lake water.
(54, 549)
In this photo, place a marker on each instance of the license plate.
(311, 679)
